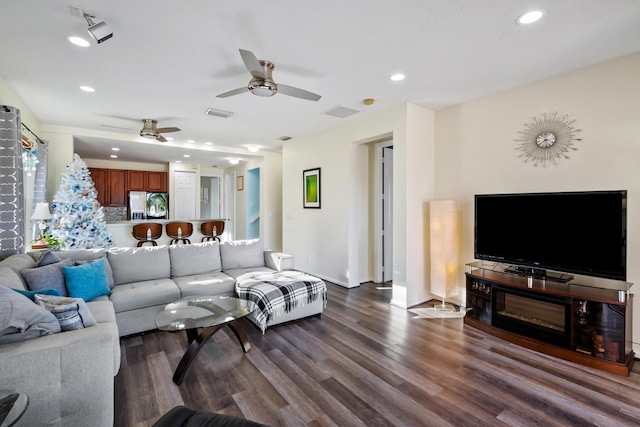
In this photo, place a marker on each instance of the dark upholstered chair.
(182, 416)
(140, 233)
(206, 228)
(179, 231)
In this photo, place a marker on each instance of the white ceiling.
(169, 59)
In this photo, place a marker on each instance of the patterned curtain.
(11, 182)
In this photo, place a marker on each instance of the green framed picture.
(311, 185)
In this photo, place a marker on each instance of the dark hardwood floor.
(367, 363)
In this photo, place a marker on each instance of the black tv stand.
(539, 273)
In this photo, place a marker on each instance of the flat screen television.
(573, 232)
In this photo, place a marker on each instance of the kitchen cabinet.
(156, 181)
(117, 187)
(137, 180)
(99, 177)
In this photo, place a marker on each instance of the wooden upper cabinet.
(99, 177)
(117, 183)
(137, 180)
(156, 181)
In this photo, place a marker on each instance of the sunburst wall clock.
(547, 138)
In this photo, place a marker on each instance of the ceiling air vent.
(218, 113)
(341, 112)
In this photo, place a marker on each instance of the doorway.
(253, 203)
(384, 212)
(230, 204)
(211, 197)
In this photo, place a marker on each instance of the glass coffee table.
(210, 313)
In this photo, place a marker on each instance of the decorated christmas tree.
(78, 217)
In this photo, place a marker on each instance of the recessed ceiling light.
(78, 41)
(186, 155)
(190, 141)
(115, 149)
(178, 161)
(87, 88)
(113, 156)
(168, 138)
(234, 161)
(397, 77)
(530, 17)
(253, 148)
(209, 143)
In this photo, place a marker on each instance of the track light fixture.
(100, 31)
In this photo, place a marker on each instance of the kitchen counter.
(122, 237)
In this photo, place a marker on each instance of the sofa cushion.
(87, 281)
(237, 272)
(194, 259)
(47, 277)
(132, 296)
(10, 278)
(21, 319)
(72, 313)
(16, 263)
(213, 283)
(242, 254)
(139, 264)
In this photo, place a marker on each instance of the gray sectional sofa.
(69, 375)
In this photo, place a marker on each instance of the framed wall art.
(240, 183)
(311, 186)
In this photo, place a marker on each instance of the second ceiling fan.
(262, 83)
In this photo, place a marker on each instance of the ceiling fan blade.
(233, 92)
(298, 93)
(161, 138)
(252, 64)
(116, 127)
(169, 129)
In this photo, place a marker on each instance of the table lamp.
(41, 214)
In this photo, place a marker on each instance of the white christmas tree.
(78, 217)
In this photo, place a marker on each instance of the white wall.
(328, 242)
(475, 148)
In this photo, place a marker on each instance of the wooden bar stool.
(179, 231)
(207, 229)
(147, 232)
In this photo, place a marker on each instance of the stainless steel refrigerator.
(148, 205)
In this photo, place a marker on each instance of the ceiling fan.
(262, 83)
(149, 130)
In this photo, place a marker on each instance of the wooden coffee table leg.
(242, 338)
(191, 353)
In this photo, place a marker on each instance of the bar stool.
(212, 230)
(179, 231)
(147, 232)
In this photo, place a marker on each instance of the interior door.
(185, 195)
(387, 214)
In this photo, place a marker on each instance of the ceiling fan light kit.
(100, 31)
(262, 83)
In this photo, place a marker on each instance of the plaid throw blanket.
(278, 293)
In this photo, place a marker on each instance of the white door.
(230, 205)
(387, 213)
(185, 195)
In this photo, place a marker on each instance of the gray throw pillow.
(72, 313)
(47, 257)
(47, 277)
(21, 319)
(194, 259)
(242, 254)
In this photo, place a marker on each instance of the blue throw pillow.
(32, 294)
(87, 281)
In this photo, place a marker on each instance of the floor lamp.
(444, 238)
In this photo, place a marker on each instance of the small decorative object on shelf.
(46, 241)
(547, 138)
